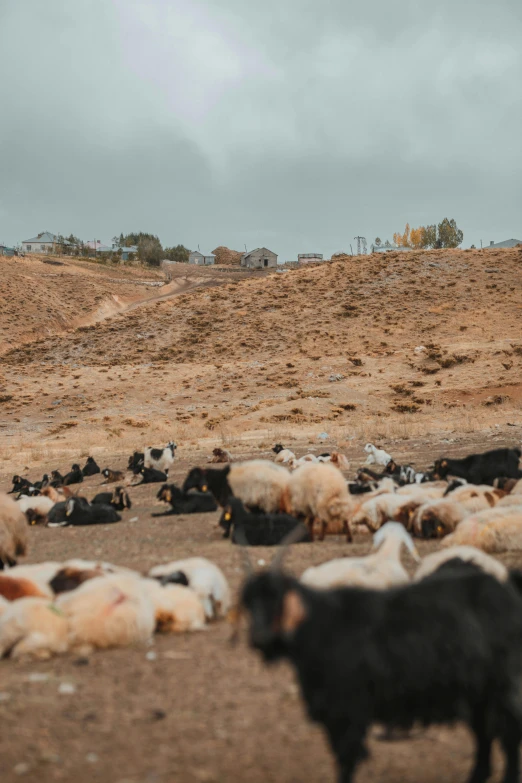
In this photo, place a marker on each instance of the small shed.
(260, 258)
(6, 251)
(506, 243)
(201, 259)
(309, 258)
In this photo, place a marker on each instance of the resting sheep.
(33, 628)
(176, 608)
(220, 456)
(376, 456)
(204, 577)
(469, 554)
(495, 530)
(283, 456)
(379, 570)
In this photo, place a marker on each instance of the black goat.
(481, 468)
(149, 475)
(210, 479)
(358, 488)
(57, 516)
(185, 502)
(56, 479)
(136, 460)
(43, 483)
(258, 529)
(91, 468)
(447, 648)
(78, 511)
(18, 484)
(118, 499)
(75, 476)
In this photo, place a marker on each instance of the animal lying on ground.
(32, 627)
(376, 456)
(148, 476)
(257, 529)
(378, 570)
(118, 499)
(444, 649)
(258, 483)
(75, 476)
(13, 531)
(56, 479)
(204, 577)
(18, 484)
(111, 476)
(283, 456)
(36, 508)
(159, 459)
(90, 468)
(220, 456)
(12, 588)
(136, 460)
(495, 530)
(481, 468)
(185, 502)
(78, 511)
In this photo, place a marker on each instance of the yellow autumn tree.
(417, 237)
(403, 240)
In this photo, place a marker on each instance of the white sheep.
(377, 510)
(259, 483)
(438, 518)
(494, 530)
(469, 554)
(376, 456)
(40, 574)
(13, 531)
(284, 456)
(32, 627)
(204, 577)
(176, 608)
(379, 570)
(339, 460)
(108, 611)
(320, 494)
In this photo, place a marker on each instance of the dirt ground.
(419, 353)
(197, 709)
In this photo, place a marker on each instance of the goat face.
(165, 494)
(196, 479)
(277, 448)
(440, 469)
(277, 608)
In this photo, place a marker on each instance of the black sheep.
(91, 468)
(75, 476)
(257, 529)
(78, 511)
(444, 649)
(118, 499)
(149, 475)
(185, 502)
(481, 468)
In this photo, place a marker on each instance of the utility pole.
(361, 245)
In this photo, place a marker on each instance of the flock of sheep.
(474, 505)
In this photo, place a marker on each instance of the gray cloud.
(294, 124)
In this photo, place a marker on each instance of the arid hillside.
(373, 347)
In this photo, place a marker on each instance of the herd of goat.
(370, 643)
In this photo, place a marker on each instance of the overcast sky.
(294, 124)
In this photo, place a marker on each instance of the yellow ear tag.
(204, 488)
(228, 517)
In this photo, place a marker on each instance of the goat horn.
(295, 535)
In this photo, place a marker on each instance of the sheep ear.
(444, 464)
(294, 612)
